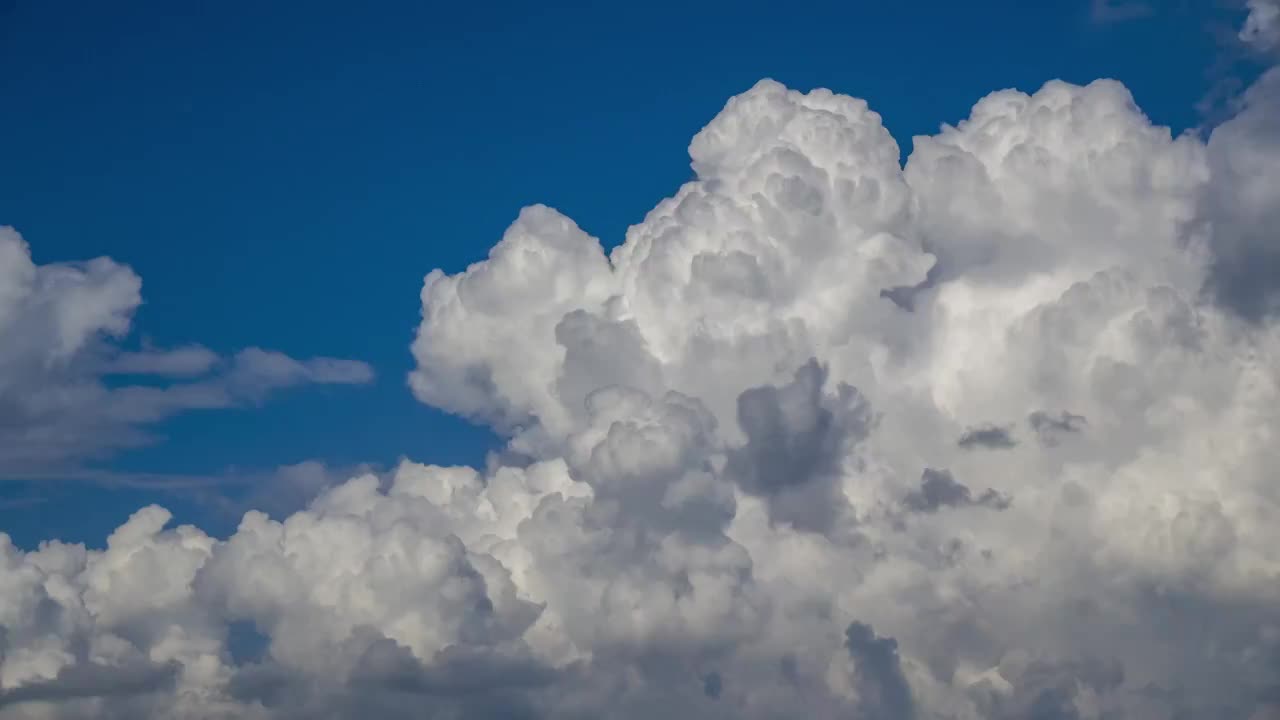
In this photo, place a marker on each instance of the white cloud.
(1262, 26)
(60, 330)
(738, 483)
(187, 361)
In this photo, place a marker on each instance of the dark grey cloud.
(787, 668)
(387, 681)
(798, 436)
(712, 685)
(883, 691)
(939, 489)
(993, 437)
(91, 680)
(456, 671)
(1242, 209)
(1050, 427)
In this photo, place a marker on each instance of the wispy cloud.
(1114, 11)
(61, 363)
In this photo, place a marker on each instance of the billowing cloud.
(734, 487)
(70, 393)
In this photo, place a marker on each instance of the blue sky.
(284, 177)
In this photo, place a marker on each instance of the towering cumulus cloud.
(988, 436)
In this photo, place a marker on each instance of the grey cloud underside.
(798, 437)
(883, 690)
(1244, 205)
(743, 477)
(993, 437)
(939, 489)
(1050, 427)
(92, 680)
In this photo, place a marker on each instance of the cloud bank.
(742, 482)
(70, 393)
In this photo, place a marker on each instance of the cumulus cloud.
(69, 391)
(724, 492)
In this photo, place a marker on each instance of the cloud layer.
(69, 393)
(745, 479)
